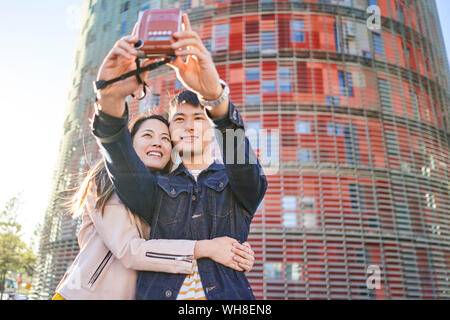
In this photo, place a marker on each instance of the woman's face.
(152, 144)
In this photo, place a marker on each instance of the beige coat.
(112, 248)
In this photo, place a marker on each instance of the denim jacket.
(221, 202)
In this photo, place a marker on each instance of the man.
(201, 198)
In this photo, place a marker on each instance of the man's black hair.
(184, 96)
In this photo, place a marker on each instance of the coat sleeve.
(133, 182)
(247, 179)
(118, 230)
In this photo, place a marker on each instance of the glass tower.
(358, 206)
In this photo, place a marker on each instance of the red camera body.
(154, 29)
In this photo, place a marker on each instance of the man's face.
(191, 130)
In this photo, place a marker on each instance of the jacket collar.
(215, 166)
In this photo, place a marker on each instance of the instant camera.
(154, 29)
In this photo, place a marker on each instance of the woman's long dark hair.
(98, 175)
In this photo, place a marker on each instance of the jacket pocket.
(173, 202)
(99, 269)
(220, 197)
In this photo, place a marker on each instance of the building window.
(144, 105)
(125, 6)
(91, 37)
(378, 43)
(252, 132)
(252, 74)
(303, 127)
(178, 85)
(351, 31)
(252, 49)
(307, 203)
(336, 38)
(221, 33)
(400, 12)
(293, 271)
(269, 86)
(351, 145)
(333, 100)
(284, 73)
(285, 86)
(414, 104)
(297, 3)
(304, 156)
(298, 31)
(403, 217)
(392, 144)
(268, 42)
(145, 7)
(123, 28)
(284, 76)
(430, 200)
(156, 100)
(309, 220)
(208, 45)
(273, 270)
(267, 4)
(290, 219)
(289, 205)
(185, 5)
(106, 27)
(334, 129)
(385, 96)
(356, 196)
(253, 99)
(405, 166)
(407, 52)
(345, 83)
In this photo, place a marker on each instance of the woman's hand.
(226, 251)
(120, 60)
(244, 256)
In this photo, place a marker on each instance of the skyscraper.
(359, 204)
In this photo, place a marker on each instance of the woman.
(112, 239)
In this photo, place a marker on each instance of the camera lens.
(139, 44)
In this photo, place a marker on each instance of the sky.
(444, 9)
(37, 46)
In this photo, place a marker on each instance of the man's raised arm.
(133, 182)
(198, 74)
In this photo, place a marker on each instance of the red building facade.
(363, 147)
(357, 118)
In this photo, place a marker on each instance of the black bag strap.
(102, 84)
(139, 80)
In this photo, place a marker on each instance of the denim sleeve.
(247, 179)
(133, 182)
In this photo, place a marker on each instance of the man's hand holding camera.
(193, 65)
(198, 73)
